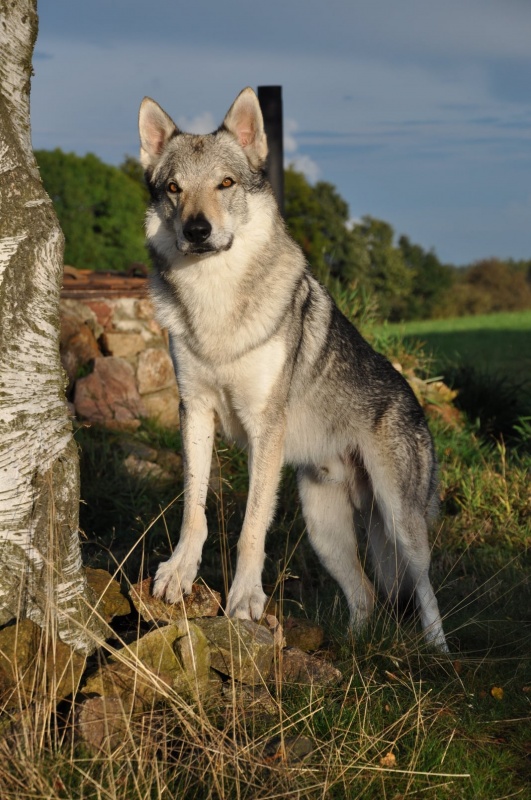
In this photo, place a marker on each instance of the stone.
(174, 657)
(254, 699)
(303, 633)
(75, 313)
(103, 723)
(108, 396)
(145, 309)
(271, 622)
(288, 748)
(77, 343)
(111, 602)
(296, 666)
(163, 407)
(202, 602)
(132, 446)
(154, 371)
(103, 311)
(122, 345)
(241, 649)
(125, 308)
(33, 665)
(140, 468)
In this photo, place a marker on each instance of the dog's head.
(200, 185)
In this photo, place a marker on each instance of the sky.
(418, 111)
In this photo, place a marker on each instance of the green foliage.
(101, 209)
(486, 287)
(430, 279)
(386, 273)
(404, 281)
(317, 218)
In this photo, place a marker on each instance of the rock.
(296, 666)
(125, 308)
(139, 468)
(78, 345)
(122, 345)
(111, 602)
(32, 665)
(103, 722)
(170, 461)
(254, 699)
(303, 633)
(202, 602)
(145, 309)
(288, 748)
(241, 649)
(272, 624)
(108, 396)
(74, 314)
(163, 407)
(174, 657)
(132, 446)
(154, 371)
(102, 310)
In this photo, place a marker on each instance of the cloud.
(200, 123)
(302, 162)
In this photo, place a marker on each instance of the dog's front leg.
(246, 597)
(174, 577)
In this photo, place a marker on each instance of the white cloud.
(201, 123)
(300, 161)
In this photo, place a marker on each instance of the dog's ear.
(244, 120)
(156, 129)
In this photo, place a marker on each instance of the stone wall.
(117, 362)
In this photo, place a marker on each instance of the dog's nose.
(197, 229)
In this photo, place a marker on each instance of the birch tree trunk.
(41, 575)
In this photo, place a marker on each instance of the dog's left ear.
(244, 120)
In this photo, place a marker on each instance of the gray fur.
(258, 341)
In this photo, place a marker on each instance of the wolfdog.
(258, 341)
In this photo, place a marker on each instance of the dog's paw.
(246, 599)
(174, 578)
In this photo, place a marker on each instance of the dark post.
(270, 99)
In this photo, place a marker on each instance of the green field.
(498, 343)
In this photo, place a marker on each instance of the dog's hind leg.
(390, 570)
(406, 541)
(329, 518)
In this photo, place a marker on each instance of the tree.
(430, 279)
(101, 209)
(318, 219)
(387, 274)
(41, 575)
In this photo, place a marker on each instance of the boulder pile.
(117, 362)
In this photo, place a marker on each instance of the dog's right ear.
(156, 129)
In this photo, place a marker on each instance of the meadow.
(405, 722)
(498, 343)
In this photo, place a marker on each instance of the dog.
(258, 342)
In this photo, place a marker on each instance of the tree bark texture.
(41, 575)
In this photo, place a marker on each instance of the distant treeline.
(101, 210)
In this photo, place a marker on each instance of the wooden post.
(270, 99)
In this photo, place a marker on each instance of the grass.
(486, 358)
(500, 343)
(404, 722)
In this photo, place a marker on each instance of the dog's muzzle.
(197, 230)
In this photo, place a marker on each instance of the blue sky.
(419, 111)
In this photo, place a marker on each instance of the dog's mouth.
(206, 248)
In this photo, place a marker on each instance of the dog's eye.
(173, 187)
(226, 183)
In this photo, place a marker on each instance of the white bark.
(41, 575)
